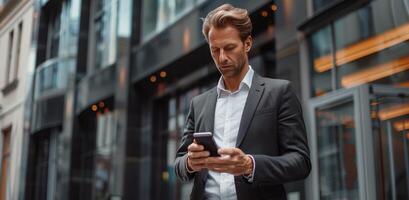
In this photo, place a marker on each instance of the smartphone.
(206, 139)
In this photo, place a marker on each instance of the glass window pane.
(172, 107)
(172, 124)
(181, 121)
(371, 47)
(320, 4)
(101, 176)
(105, 16)
(159, 14)
(391, 127)
(320, 48)
(337, 151)
(54, 31)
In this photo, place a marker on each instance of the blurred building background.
(94, 93)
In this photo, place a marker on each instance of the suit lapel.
(253, 98)
(210, 108)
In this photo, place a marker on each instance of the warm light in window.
(94, 108)
(264, 13)
(376, 72)
(122, 77)
(163, 74)
(394, 112)
(274, 7)
(364, 48)
(186, 40)
(401, 125)
(403, 84)
(165, 176)
(152, 78)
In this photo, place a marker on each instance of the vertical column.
(125, 181)
(288, 15)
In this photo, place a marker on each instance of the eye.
(229, 47)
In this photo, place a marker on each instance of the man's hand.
(232, 161)
(196, 157)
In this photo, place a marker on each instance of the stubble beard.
(234, 71)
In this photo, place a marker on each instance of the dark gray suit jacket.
(272, 130)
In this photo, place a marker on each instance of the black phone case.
(209, 145)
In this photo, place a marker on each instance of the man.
(257, 122)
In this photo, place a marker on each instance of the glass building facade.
(359, 75)
(365, 46)
(114, 80)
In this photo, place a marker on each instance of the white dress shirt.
(229, 109)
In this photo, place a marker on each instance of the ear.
(248, 43)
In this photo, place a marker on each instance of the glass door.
(359, 144)
(390, 125)
(340, 148)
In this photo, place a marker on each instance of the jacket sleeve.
(181, 154)
(293, 163)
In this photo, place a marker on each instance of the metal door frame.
(363, 137)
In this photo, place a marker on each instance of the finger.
(216, 160)
(230, 151)
(215, 165)
(220, 161)
(198, 168)
(218, 164)
(195, 147)
(218, 169)
(199, 154)
(225, 170)
(198, 162)
(235, 172)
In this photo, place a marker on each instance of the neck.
(232, 83)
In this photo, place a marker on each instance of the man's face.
(228, 51)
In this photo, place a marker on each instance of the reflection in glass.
(337, 151)
(376, 52)
(53, 32)
(370, 47)
(320, 4)
(43, 170)
(105, 139)
(320, 45)
(70, 28)
(105, 17)
(159, 14)
(171, 132)
(62, 29)
(53, 75)
(390, 116)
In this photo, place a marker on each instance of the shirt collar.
(246, 81)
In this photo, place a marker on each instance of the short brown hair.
(226, 15)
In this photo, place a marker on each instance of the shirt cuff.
(187, 168)
(251, 176)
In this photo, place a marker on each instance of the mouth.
(225, 66)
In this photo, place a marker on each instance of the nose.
(223, 57)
